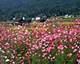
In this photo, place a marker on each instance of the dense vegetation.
(30, 8)
(40, 43)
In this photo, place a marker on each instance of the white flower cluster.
(0, 48)
(7, 60)
(26, 31)
(19, 27)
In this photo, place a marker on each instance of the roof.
(40, 15)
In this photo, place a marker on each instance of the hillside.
(31, 8)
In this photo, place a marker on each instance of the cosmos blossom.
(61, 47)
(69, 55)
(78, 60)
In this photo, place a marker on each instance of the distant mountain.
(31, 8)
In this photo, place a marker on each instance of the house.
(22, 21)
(14, 18)
(33, 19)
(38, 18)
(69, 16)
(41, 17)
(66, 16)
(23, 18)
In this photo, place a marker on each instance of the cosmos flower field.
(49, 43)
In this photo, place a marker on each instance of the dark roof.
(40, 15)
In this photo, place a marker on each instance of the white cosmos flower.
(19, 57)
(53, 57)
(5, 56)
(7, 60)
(26, 31)
(0, 48)
(15, 38)
(18, 28)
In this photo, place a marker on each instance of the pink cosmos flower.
(12, 55)
(70, 33)
(32, 48)
(49, 49)
(69, 55)
(6, 43)
(23, 57)
(5, 48)
(62, 52)
(44, 54)
(14, 51)
(70, 39)
(66, 47)
(8, 51)
(43, 50)
(52, 59)
(78, 22)
(75, 50)
(56, 36)
(76, 26)
(78, 60)
(35, 46)
(27, 55)
(15, 42)
(79, 56)
(20, 32)
(64, 31)
(22, 63)
(60, 47)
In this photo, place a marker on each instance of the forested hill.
(30, 8)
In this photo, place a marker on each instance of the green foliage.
(26, 8)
